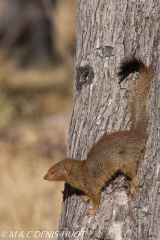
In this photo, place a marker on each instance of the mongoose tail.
(139, 95)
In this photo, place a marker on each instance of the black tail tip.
(128, 66)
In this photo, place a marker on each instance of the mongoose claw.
(133, 190)
(91, 212)
(85, 198)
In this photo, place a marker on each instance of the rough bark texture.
(108, 31)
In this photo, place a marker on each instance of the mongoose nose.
(45, 177)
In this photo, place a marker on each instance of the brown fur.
(118, 151)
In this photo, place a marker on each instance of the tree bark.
(108, 31)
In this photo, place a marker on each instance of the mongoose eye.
(52, 172)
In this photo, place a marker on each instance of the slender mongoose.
(117, 151)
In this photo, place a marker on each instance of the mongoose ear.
(65, 168)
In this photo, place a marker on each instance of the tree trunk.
(108, 31)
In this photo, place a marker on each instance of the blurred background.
(37, 47)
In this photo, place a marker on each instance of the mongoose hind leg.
(85, 198)
(130, 171)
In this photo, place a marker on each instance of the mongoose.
(117, 151)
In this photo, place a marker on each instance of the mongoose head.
(58, 172)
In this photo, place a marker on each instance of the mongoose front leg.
(85, 198)
(95, 202)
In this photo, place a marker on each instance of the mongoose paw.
(85, 198)
(130, 197)
(91, 212)
(133, 190)
(133, 185)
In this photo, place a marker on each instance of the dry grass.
(27, 201)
